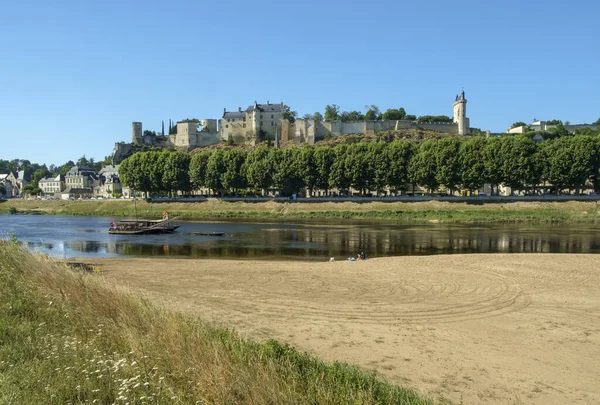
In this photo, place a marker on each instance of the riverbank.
(71, 336)
(494, 329)
(418, 211)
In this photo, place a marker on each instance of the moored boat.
(142, 226)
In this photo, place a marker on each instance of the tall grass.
(412, 212)
(67, 336)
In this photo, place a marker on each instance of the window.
(244, 125)
(226, 126)
(271, 115)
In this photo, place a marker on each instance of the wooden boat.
(209, 233)
(142, 227)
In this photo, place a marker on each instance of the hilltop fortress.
(259, 122)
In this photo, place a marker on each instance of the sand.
(481, 329)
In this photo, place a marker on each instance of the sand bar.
(493, 329)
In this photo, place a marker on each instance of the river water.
(66, 237)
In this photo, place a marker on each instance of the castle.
(263, 121)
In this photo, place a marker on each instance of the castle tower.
(136, 133)
(460, 114)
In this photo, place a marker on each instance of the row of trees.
(333, 112)
(373, 167)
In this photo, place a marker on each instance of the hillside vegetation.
(67, 336)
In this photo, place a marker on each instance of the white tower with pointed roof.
(460, 114)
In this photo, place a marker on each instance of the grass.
(430, 211)
(69, 337)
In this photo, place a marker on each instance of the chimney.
(267, 102)
(239, 109)
(224, 110)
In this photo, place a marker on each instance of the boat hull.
(148, 231)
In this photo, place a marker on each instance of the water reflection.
(81, 236)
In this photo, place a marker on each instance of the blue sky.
(75, 74)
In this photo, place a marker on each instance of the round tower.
(136, 133)
(460, 114)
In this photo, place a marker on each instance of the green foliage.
(2, 190)
(348, 116)
(12, 210)
(318, 116)
(289, 115)
(423, 167)
(518, 124)
(332, 112)
(234, 177)
(394, 114)
(434, 118)
(371, 116)
(447, 163)
(553, 122)
(259, 169)
(338, 177)
(399, 154)
(597, 122)
(198, 165)
(521, 163)
(472, 163)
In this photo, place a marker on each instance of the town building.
(79, 182)
(52, 187)
(107, 184)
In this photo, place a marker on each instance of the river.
(67, 237)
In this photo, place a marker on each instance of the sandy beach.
(481, 329)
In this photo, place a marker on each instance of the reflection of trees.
(322, 241)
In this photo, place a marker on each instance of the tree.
(492, 162)
(338, 177)
(310, 173)
(373, 113)
(434, 118)
(288, 173)
(348, 116)
(357, 166)
(569, 161)
(332, 112)
(214, 170)
(371, 116)
(323, 159)
(259, 169)
(234, 178)
(176, 172)
(518, 124)
(559, 131)
(447, 163)
(597, 122)
(399, 154)
(379, 165)
(423, 166)
(307, 117)
(289, 115)
(2, 190)
(553, 122)
(521, 164)
(394, 114)
(472, 163)
(318, 116)
(198, 165)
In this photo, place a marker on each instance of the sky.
(75, 74)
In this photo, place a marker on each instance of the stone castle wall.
(308, 131)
